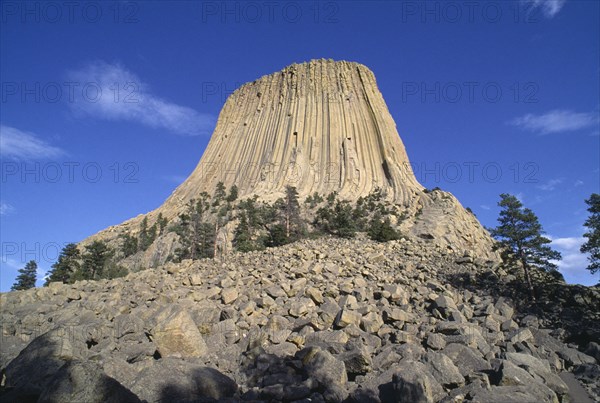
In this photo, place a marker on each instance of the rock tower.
(321, 126)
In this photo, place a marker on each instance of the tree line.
(260, 225)
(95, 262)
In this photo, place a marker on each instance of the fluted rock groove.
(321, 126)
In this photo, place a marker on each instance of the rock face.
(316, 320)
(321, 126)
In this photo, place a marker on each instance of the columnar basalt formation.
(321, 126)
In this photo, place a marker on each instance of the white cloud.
(550, 185)
(556, 121)
(111, 92)
(11, 263)
(177, 179)
(573, 263)
(578, 182)
(549, 7)
(485, 207)
(6, 208)
(520, 197)
(569, 243)
(17, 144)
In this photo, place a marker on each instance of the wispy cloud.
(573, 264)
(578, 182)
(550, 185)
(485, 207)
(520, 197)
(21, 145)
(549, 7)
(114, 93)
(5, 208)
(177, 179)
(556, 121)
(11, 263)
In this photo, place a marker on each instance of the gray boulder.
(84, 381)
(172, 379)
(31, 371)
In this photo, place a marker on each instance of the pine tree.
(291, 214)
(129, 246)
(242, 239)
(96, 257)
(66, 265)
(592, 245)
(162, 223)
(196, 236)
(219, 194)
(113, 270)
(381, 230)
(313, 200)
(27, 277)
(520, 239)
(337, 219)
(207, 245)
(147, 235)
(221, 213)
(233, 194)
(277, 236)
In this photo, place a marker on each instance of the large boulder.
(31, 371)
(84, 381)
(173, 379)
(176, 334)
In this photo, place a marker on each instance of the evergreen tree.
(196, 235)
(343, 220)
(66, 265)
(242, 239)
(147, 235)
(162, 223)
(313, 200)
(253, 218)
(113, 270)
(95, 258)
(291, 214)
(26, 278)
(221, 213)
(520, 239)
(219, 194)
(277, 236)
(381, 230)
(129, 246)
(592, 245)
(207, 245)
(337, 219)
(331, 198)
(233, 194)
(360, 214)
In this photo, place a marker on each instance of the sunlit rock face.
(321, 126)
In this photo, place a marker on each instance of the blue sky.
(107, 106)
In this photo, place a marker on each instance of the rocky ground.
(319, 320)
